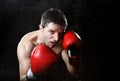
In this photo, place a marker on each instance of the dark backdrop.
(91, 19)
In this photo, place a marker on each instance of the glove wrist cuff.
(30, 76)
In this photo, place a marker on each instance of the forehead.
(55, 27)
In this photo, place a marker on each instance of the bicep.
(24, 60)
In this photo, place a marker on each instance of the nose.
(56, 37)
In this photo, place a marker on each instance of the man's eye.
(60, 34)
(51, 32)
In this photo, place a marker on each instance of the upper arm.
(23, 54)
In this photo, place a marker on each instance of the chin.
(51, 46)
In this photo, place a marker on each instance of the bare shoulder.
(29, 36)
(26, 45)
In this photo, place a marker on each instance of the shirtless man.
(52, 38)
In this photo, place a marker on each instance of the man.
(49, 41)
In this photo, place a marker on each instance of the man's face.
(52, 34)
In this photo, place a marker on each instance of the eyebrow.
(55, 31)
(51, 30)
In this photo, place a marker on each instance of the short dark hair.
(53, 15)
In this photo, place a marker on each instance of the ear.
(40, 27)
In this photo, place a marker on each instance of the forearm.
(29, 76)
(23, 78)
(73, 71)
(23, 73)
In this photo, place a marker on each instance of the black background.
(92, 20)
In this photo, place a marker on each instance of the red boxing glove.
(71, 38)
(72, 42)
(42, 58)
